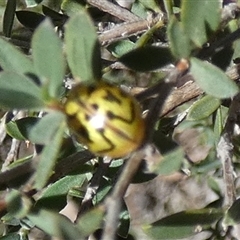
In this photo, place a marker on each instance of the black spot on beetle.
(82, 132)
(101, 131)
(111, 145)
(111, 98)
(110, 115)
(91, 89)
(87, 117)
(95, 106)
(71, 117)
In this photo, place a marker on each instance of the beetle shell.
(105, 119)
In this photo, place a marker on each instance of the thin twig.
(114, 202)
(127, 29)
(114, 10)
(186, 92)
(9, 176)
(12, 154)
(225, 150)
(3, 132)
(181, 95)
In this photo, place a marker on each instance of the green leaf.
(212, 80)
(90, 221)
(170, 163)
(139, 10)
(11, 236)
(203, 108)
(18, 205)
(147, 58)
(236, 48)
(232, 216)
(26, 124)
(13, 130)
(123, 228)
(82, 48)
(182, 224)
(21, 128)
(8, 18)
(58, 19)
(55, 196)
(19, 63)
(70, 7)
(168, 6)
(19, 92)
(55, 224)
(50, 152)
(121, 47)
(29, 19)
(196, 26)
(32, 3)
(220, 118)
(102, 192)
(48, 58)
(179, 41)
(151, 4)
(214, 185)
(218, 125)
(44, 130)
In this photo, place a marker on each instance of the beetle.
(105, 118)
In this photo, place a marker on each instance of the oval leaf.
(82, 48)
(13, 131)
(179, 42)
(21, 128)
(55, 196)
(18, 205)
(182, 224)
(151, 4)
(8, 18)
(72, 7)
(51, 150)
(90, 221)
(232, 216)
(197, 25)
(170, 163)
(121, 47)
(29, 19)
(203, 108)
(55, 224)
(19, 63)
(219, 121)
(50, 71)
(19, 92)
(147, 58)
(44, 130)
(212, 80)
(57, 18)
(11, 236)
